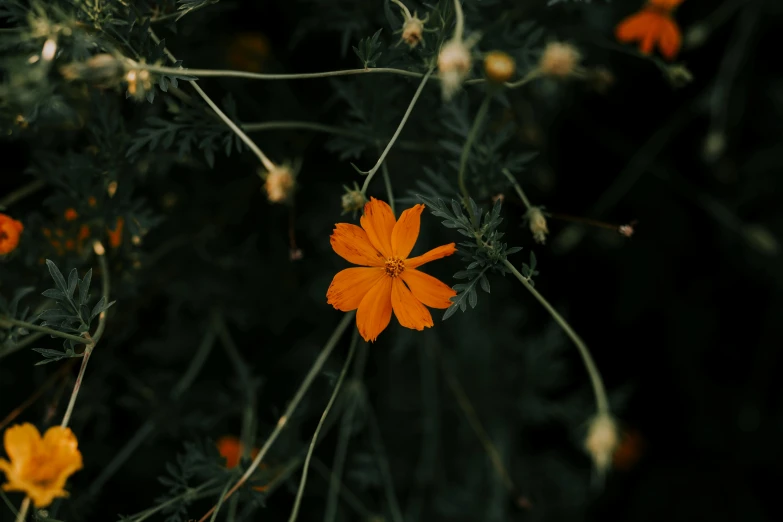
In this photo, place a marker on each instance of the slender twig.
(473, 419)
(383, 462)
(100, 253)
(21, 193)
(344, 436)
(6, 322)
(22, 514)
(601, 400)
(268, 164)
(389, 191)
(292, 406)
(370, 173)
(324, 415)
(518, 188)
(148, 428)
(27, 341)
(350, 498)
(463, 160)
(228, 73)
(34, 397)
(459, 28)
(7, 502)
(221, 498)
(192, 493)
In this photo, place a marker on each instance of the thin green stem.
(266, 162)
(228, 73)
(21, 193)
(383, 463)
(403, 7)
(221, 498)
(292, 406)
(389, 191)
(100, 252)
(530, 76)
(22, 514)
(6, 322)
(601, 400)
(459, 29)
(324, 415)
(518, 188)
(7, 502)
(344, 437)
(193, 493)
(407, 114)
(463, 160)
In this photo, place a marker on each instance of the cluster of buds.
(279, 183)
(139, 83)
(538, 226)
(412, 26)
(353, 200)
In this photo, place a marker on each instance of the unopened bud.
(538, 224)
(353, 200)
(454, 63)
(413, 31)
(499, 67)
(103, 70)
(559, 60)
(602, 440)
(278, 183)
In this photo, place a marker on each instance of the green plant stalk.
(463, 160)
(221, 498)
(405, 117)
(194, 492)
(518, 188)
(7, 322)
(324, 415)
(228, 73)
(292, 406)
(601, 400)
(383, 463)
(21, 193)
(106, 285)
(7, 502)
(344, 437)
(265, 161)
(389, 191)
(22, 514)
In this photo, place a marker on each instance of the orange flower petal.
(230, 449)
(349, 287)
(352, 244)
(21, 441)
(669, 39)
(409, 310)
(636, 27)
(432, 255)
(406, 231)
(375, 310)
(428, 289)
(378, 221)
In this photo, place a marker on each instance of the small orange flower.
(387, 280)
(230, 448)
(115, 235)
(39, 467)
(71, 214)
(10, 230)
(654, 24)
(629, 450)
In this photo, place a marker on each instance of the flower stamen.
(394, 266)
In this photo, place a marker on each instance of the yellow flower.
(39, 467)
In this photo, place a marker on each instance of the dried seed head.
(353, 200)
(279, 183)
(454, 63)
(602, 440)
(412, 31)
(559, 59)
(499, 67)
(537, 224)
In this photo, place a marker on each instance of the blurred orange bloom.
(388, 279)
(628, 451)
(230, 448)
(39, 467)
(115, 235)
(653, 25)
(248, 51)
(10, 230)
(71, 214)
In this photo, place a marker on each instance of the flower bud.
(499, 67)
(353, 200)
(602, 440)
(279, 183)
(560, 60)
(103, 70)
(454, 63)
(412, 31)
(538, 224)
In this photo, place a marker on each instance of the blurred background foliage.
(683, 318)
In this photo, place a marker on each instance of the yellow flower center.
(394, 266)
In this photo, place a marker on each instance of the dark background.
(683, 318)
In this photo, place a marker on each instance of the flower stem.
(6, 322)
(407, 114)
(463, 160)
(389, 192)
(23, 510)
(459, 29)
(233, 126)
(383, 461)
(324, 415)
(227, 73)
(21, 193)
(601, 400)
(92, 341)
(403, 7)
(518, 188)
(292, 406)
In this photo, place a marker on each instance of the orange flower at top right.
(653, 25)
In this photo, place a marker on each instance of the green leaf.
(59, 280)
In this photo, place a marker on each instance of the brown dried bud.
(499, 67)
(538, 224)
(602, 440)
(279, 184)
(454, 63)
(559, 59)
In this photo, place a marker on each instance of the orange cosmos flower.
(653, 25)
(39, 467)
(10, 230)
(115, 235)
(71, 214)
(230, 448)
(388, 279)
